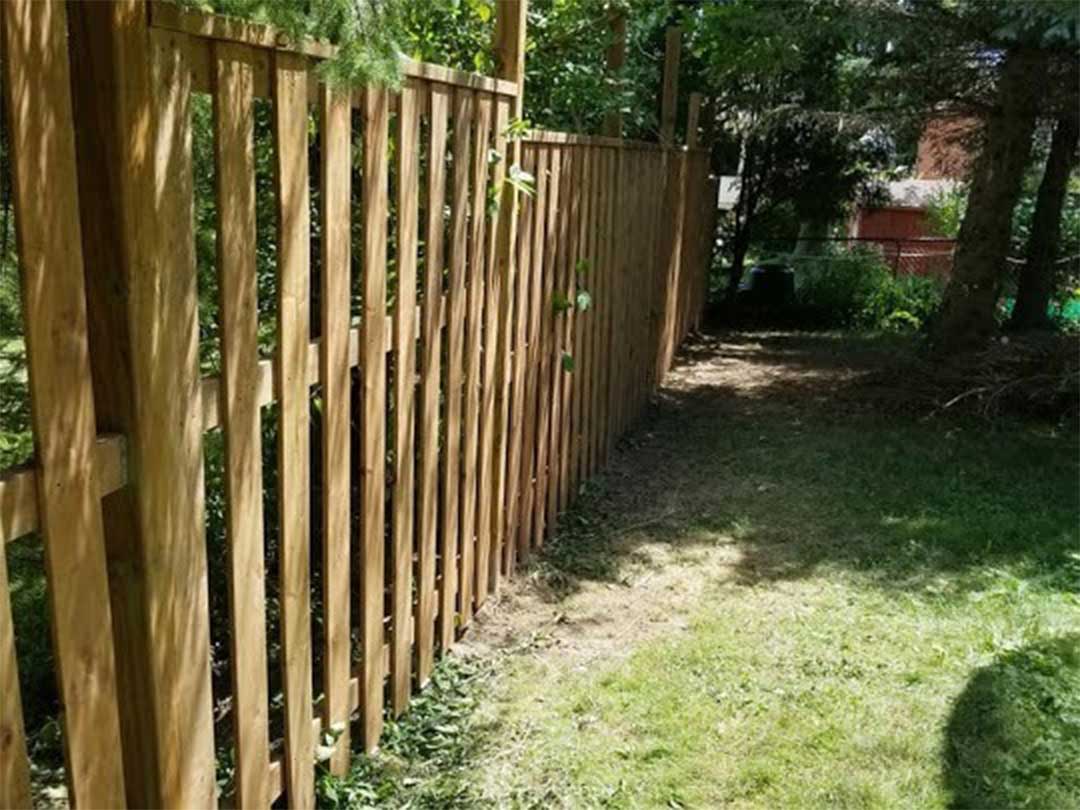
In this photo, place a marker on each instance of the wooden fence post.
(693, 115)
(37, 100)
(670, 101)
(131, 93)
(510, 24)
(616, 60)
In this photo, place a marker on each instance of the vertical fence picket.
(492, 463)
(537, 160)
(431, 365)
(14, 764)
(235, 164)
(335, 127)
(559, 315)
(611, 258)
(583, 322)
(294, 438)
(566, 427)
(547, 360)
(373, 472)
(514, 478)
(408, 182)
(455, 336)
(474, 321)
(595, 356)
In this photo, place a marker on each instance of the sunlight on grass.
(877, 567)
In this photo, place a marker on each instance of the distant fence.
(917, 256)
(453, 423)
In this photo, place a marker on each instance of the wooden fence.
(477, 400)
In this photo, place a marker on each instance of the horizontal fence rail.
(430, 397)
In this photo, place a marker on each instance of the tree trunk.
(967, 313)
(813, 234)
(1037, 277)
(740, 245)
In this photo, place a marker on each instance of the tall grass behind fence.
(433, 414)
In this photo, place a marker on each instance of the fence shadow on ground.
(762, 442)
(1013, 736)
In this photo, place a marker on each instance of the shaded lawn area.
(779, 596)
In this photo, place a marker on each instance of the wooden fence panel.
(520, 399)
(294, 436)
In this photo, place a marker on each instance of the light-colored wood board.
(537, 159)
(455, 337)
(14, 763)
(334, 189)
(547, 358)
(19, 486)
(515, 481)
(408, 201)
(474, 320)
(234, 153)
(496, 402)
(294, 435)
(373, 425)
(427, 513)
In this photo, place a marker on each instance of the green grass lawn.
(872, 611)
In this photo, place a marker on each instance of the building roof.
(919, 193)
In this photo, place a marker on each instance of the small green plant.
(522, 180)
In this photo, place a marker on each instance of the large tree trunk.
(967, 313)
(1037, 277)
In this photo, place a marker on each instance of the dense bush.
(857, 290)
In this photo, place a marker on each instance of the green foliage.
(522, 180)
(946, 211)
(424, 756)
(569, 86)
(1014, 735)
(859, 291)
(369, 34)
(568, 363)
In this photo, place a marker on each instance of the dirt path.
(631, 583)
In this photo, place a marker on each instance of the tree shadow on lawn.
(1013, 737)
(759, 441)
